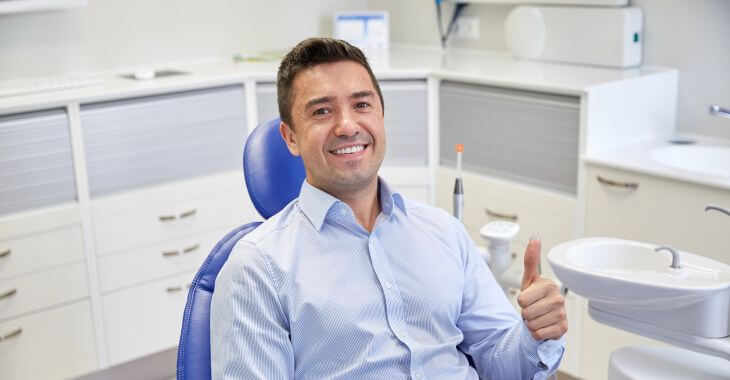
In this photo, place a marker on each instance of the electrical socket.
(467, 28)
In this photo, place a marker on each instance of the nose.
(346, 124)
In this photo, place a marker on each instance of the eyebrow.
(328, 99)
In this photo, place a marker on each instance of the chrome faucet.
(675, 254)
(718, 208)
(716, 110)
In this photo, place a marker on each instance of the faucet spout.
(718, 208)
(675, 254)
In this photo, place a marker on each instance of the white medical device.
(499, 236)
(606, 36)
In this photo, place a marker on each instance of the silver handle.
(716, 110)
(13, 333)
(188, 213)
(610, 182)
(191, 248)
(493, 214)
(172, 289)
(167, 218)
(9, 293)
(170, 253)
(5, 253)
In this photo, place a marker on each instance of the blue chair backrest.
(273, 179)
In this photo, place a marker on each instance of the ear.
(290, 138)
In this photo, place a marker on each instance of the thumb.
(532, 262)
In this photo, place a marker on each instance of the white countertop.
(637, 157)
(402, 62)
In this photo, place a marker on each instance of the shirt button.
(543, 348)
(418, 376)
(387, 284)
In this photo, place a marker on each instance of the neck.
(364, 203)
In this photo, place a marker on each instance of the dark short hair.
(309, 53)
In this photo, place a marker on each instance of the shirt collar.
(316, 204)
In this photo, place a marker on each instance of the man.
(351, 280)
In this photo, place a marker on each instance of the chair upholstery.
(273, 179)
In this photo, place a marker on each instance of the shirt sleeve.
(249, 335)
(495, 336)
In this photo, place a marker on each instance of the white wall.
(690, 35)
(122, 33)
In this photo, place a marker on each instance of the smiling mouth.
(349, 150)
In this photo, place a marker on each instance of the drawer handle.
(501, 216)
(173, 289)
(191, 248)
(170, 253)
(188, 214)
(610, 182)
(9, 293)
(12, 334)
(167, 218)
(5, 253)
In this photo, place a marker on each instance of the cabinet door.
(145, 319)
(55, 344)
(517, 135)
(658, 211)
(406, 125)
(163, 138)
(36, 167)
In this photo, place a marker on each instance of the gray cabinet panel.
(36, 164)
(517, 135)
(406, 125)
(156, 139)
(406, 122)
(266, 102)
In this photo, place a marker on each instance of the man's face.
(338, 126)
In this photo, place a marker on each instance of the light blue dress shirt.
(310, 294)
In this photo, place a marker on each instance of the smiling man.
(353, 281)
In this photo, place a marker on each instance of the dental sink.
(702, 159)
(631, 284)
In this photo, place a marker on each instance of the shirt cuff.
(545, 355)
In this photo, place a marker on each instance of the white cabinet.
(54, 344)
(647, 208)
(657, 210)
(145, 319)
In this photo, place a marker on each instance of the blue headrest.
(273, 175)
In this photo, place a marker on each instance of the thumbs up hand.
(543, 307)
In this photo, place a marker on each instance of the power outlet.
(467, 28)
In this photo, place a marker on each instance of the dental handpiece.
(458, 186)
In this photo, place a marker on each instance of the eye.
(321, 112)
(362, 105)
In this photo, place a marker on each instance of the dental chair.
(273, 179)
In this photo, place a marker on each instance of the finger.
(540, 288)
(532, 262)
(550, 318)
(543, 306)
(551, 332)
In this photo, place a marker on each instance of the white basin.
(702, 159)
(629, 279)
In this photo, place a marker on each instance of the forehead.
(331, 79)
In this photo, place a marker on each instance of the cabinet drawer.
(524, 136)
(156, 261)
(548, 215)
(169, 221)
(47, 288)
(151, 140)
(658, 211)
(36, 167)
(56, 344)
(40, 251)
(145, 319)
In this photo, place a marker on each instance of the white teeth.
(349, 149)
